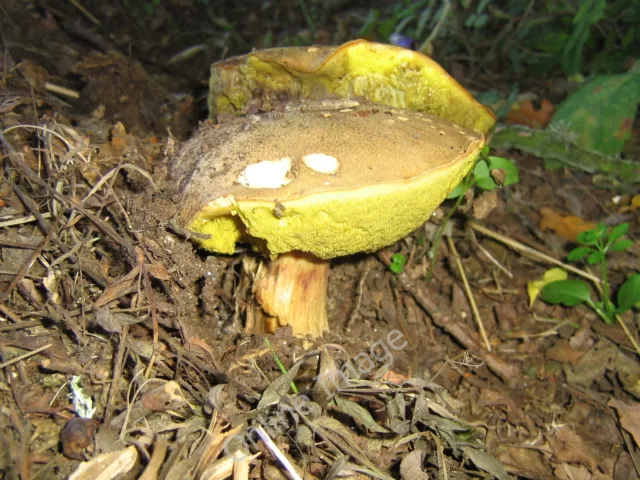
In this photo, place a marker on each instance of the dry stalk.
(470, 297)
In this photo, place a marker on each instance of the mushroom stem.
(292, 290)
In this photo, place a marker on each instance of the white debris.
(266, 174)
(321, 163)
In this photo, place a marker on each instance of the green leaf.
(398, 258)
(398, 262)
(481, 170)
(618, 231)
(629, 293)
(509, 168)
(590, 237)
(396, 268)
(534, 287)
(567, 292)
(595, 257)
(620, 245)
(589, 13)
(601, 112)
(578, 253)
(458, 191)
(486, 183)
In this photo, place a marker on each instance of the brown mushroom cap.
(394, 168)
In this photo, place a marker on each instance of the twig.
(628, 334)
(467, 289)
(24, 355)
(11, 315)
(27, 265)
(67, 92)
(157, 458)
(273, 448)
(488, 254)
(22, 220)
(531, 251)
(117, 372)
(98, 222)
(356, 309)
(86, 12)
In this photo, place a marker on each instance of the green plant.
(570, 37)
(594, 247)
(398, 261)
(489, 173)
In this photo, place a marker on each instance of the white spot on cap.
(321, 163)
(266, 174)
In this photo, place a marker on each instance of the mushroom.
(303, 187)
(378, 73)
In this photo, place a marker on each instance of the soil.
(99, 283)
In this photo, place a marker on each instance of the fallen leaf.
(484, 204)
(568, 446)
(107, 465)
(486, 462)
(525, 460)
(568, 227)
(524, 113)
(566, 471)
(158, 271)
(629, 417)
(411, 466)
(563, 353)
(118, 288)
(605, 356)
(359, 414)
(163, 398)
(534, 287)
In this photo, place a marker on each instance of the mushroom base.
(291, 290)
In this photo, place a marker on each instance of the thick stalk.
(292, 290)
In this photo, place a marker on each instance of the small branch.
(467, 289)
(530, 251)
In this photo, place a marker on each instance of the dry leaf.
(568, 227)
(568, 446)
(566, 471)
(484, 204)
(524, 113)
(118, 288)
(158, 271)
(629, 417)
(107, 465)
(563, 353)
(411, 466)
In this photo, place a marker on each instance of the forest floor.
(121, 343)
